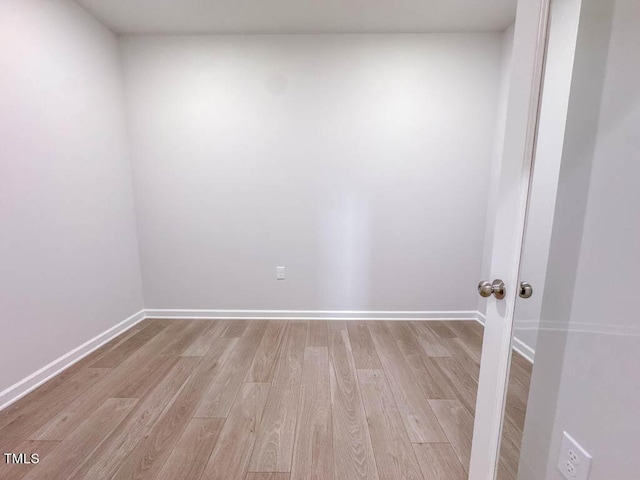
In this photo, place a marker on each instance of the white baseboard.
(33, 381)
(312, 314)
(518, 345)
(523, 349)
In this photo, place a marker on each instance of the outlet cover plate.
(574, 462)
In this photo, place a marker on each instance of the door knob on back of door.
(497, 289)
(526, 290)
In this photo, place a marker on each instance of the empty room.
(319, 239)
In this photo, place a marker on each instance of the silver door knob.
(526, 290)
(497, 289)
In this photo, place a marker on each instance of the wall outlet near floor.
(573, 462)
(280, 273)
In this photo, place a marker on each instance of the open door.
(525, 85)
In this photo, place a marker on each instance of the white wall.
(588, 382)
(361, 163)
(496, 161)
(69, 266)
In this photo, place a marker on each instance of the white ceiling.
(301, 16)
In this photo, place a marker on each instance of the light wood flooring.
(264, 400)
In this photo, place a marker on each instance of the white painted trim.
(312, 314)
(523, 349)
(518, 345)
(33, 381)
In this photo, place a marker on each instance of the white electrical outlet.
(573, 462)
(280, 273)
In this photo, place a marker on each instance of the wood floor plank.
(521, 368)
(18, 471)
(313, 452)
(407, 342)
(516, 404)
(464, 356)
(432, 382)
(200, 346)
(11, 412)
(503, 472)
(114, 343)
(515, 413)
(148, 456)
(61, 462)
(456, 345)
(317, 333)
(465, 331)
(288, 367)
(262, 367)
(525, 366)
(353, 453)
(161, 321)
(41, 409)
(430, 343)
(457, 422)
(230, 457)
(180, 342)
(462, 383)
(274, 446)
(218, 399)
(8, 444)
(440, 329)
(82, 407)
(136, 382)
(106, 459)
(475, 327)
(336, 324)
(236, 328)
(267, 476)
(420, 422)
(32, 400)
(119, 340)
(364, 352)
(142, 370)
(117, 355)
(394, 455)
(191, 454)
(172, 333)
(511, 442)
(439, 461)
(273, 450)
(35, 398)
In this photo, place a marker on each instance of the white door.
(521, 120)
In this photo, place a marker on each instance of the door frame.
(526, 74)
